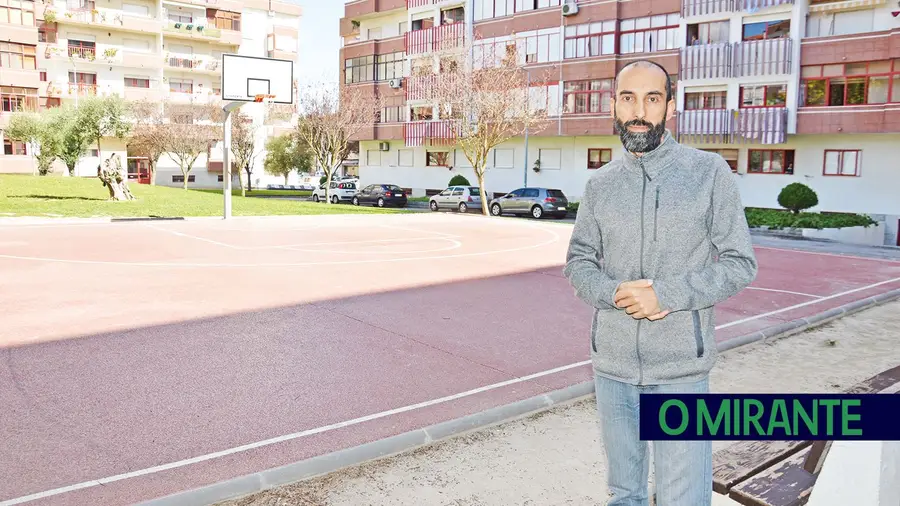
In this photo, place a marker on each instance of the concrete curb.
(401, 443)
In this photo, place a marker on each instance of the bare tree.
(330, 118)
(149, 136)
(488, 98)
(243, 147)
(40, 133)
(191, 132)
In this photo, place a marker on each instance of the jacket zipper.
(637, 342)
(656, 215)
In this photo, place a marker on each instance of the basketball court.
(141, 359)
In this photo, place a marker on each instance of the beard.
(641, 142)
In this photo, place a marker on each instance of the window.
(780, 29)
(137, 82)
(374, 34)
(82, 49)
(763, 96)
(550, 158)
(437, 158)
(705, 100)
(421, 113)
(181, 85)
(715, 32)
(46, 32)
(179, 178)
(373, 157)
(17, 56)
(590, 39)
(180, 17)
(504, 158)
(875, 82)
(390, 114)
(224, 19)
(405, 157)
(841, 162)
(598, 157)
(770, 161)
(592, 96)
(454, 15)
(11, 147)
(730, 156)
(487, 9)
(15, 99)
(390, 66)
(359, 69)
(17, 12)
(648, 34)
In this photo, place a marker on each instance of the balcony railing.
(765, 125)
(82, 89)
(709, 61)
(419, 3)
(763, 57)
(703, 7)
(737, 59)
(433, 132)
(420, 87)
(436, 38)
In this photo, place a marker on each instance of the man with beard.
(659, 240)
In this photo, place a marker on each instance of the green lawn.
(54, 196)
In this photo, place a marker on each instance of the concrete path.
(556, 457)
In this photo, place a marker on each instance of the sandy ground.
(556, 457)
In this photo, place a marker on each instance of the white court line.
(803, 304)
(367, 418)
(454, 244)
(189, 236)
(784, 291)
(820, 253)
(554, 237)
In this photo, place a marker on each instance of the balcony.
(203, 65)
(709, 61)
(705, 7)
(420, 87)
(737, 59)
(432, 132)
(763, 125)
(205, 30)
(763, 57)
(113, 18)
(436, 38)
(81, 54)
(20, 78)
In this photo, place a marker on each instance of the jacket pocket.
(698, 332)
(594, 330)
(656, 216)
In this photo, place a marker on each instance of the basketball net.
(266, 100)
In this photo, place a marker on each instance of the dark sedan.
(381, 195)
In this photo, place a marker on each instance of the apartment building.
(784, 90)
(63, 50)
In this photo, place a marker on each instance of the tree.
(329, 119)
(101, 117)
(190, 134)
(489, 99)
(116, 181)
(243, 147)
(797, 197)
(149, 137)
(285, 154)
(73, 139)
(42, 136)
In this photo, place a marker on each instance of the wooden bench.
(781, 473)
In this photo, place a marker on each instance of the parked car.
(340, 191)
(460, 198)
(538, 202)
(381, 195)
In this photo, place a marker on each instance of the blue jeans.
(682, 469)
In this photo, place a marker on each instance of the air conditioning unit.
(570, 8)
(384, 146)
(396, 83)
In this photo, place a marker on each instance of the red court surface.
(141, 359)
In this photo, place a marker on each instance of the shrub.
(323, 179)
(797, 197)
(777, 219)
(459, 180)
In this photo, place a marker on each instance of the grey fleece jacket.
(674, 216)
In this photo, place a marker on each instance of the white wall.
(389, 25)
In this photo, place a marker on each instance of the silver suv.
(538, 202)
(460, 198)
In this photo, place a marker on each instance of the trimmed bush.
(459, 180)
(797, 197)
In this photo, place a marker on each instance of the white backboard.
(243, 77)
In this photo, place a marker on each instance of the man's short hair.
(647, 63)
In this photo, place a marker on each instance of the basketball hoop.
(263, 97)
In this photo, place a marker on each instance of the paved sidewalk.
(556, 457)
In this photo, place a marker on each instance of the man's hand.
(639, 300)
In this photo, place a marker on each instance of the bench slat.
(741, 460)
(784, 484)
